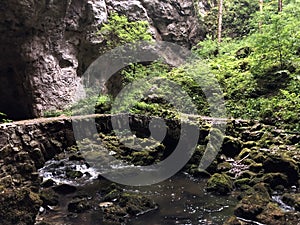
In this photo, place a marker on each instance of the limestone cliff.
(45, 46)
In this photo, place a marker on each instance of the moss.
(248, 161)
(272, 214)
(113, 194)
(240, 183)
(49, 197)
(256, 167)
(259, 157)
(79, 205)
(249, 144)
(198, 173)
(19, 206)
(285, 165)
(136, 204)
(292, 200)
(35, 198)
(73, 174)
(220, 184)
(231, 146)
(275, 179)
(247, 174)
(224, 166)
(233, 220)
(245, 152)
(250, 207)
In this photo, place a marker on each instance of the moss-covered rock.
(256, 167)
(275, 179)
(247, 174)
(79, 205)
(259, 157)
(219, 183)
(224, 166)
(280, 164)
(73, 174)
(49, 197)
(233, 220)
(124, 204)
(292, 199)
(251, 206)
(136, 204)
(272, 214)
(48, 183)
(241, 183)
(244, 153)
(231, 146)
(19, 207)
(249, 144)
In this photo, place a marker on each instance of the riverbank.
(259, 162)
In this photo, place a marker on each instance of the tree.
(275, 46)
(279, 5)
(261, 5)
(220, 18)
(236, 19)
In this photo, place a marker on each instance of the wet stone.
(26, 138)
(79, 206)
(48, 183)
(49, 197)
(64, 189)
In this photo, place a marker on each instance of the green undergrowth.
(260, 73)
(258, 70)
(4, 118)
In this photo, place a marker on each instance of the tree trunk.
(261, 5)
(279, 5)
(220, 17)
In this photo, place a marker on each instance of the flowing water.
(181, 199)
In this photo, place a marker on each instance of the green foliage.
(260, 73)
(145, 92)
(139, 71)
(93, 104)
(4, 118)
(159, 90)
(56, 113)
(119, 31)
(277, 41)
(257, 66)
(237, 15)
(207, 49)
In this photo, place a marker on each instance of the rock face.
(171, 20)
(47, 45)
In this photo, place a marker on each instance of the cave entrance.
(15, 100)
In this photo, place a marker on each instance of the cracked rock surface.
(47, 45)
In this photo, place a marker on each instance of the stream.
(181, 199)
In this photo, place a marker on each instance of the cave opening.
(16, 97)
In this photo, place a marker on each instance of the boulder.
(79, 205)
(231, 146)
(284, 165)
(292, 199)
(220, 184)
(275, 179)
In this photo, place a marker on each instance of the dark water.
(181, 199)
